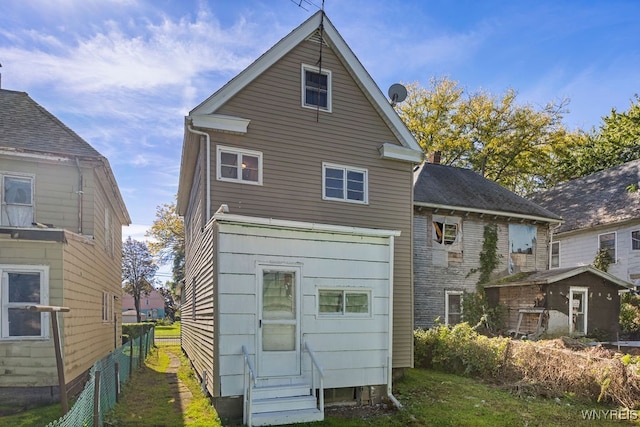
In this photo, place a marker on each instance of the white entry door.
(578, 310)
(278, 320)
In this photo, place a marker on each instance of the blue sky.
(124, 73)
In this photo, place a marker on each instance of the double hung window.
(344, 183)
(17, 200)
(239, 165)
(316, 88)
(23, 286)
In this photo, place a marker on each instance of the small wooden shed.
(578, 301)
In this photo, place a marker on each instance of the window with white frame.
(554, 258)
(607, 242)
(445, 232)
(344, 183)
(23, 285)
(316, 88)
(17, 200)
(635, 240)
(453, 307)
(239, 165)
(344, 302)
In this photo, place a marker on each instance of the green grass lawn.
(148, 399)
(432, 398)
(170, 331)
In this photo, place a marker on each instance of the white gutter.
(488, 212)
(208, 196)
(390, 357)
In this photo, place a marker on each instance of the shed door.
(578, 309)
(279, 321)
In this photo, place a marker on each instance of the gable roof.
(547, 277)
(598, 199)
(26, 127)
(335, 41)
(451, 188)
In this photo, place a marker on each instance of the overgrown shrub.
(630, 314)
(476, 311)
(459, 350)
(548, 368)
(134, 330)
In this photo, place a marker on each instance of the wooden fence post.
(96, 400)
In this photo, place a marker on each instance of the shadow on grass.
(151, 397)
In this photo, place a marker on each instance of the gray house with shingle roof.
(61, 217)
(599, 211)
(452, 207)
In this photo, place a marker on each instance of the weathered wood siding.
(352, 350)
(437, 270)
(295, 141)
(580, 248)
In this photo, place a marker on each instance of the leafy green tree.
(138, 271)
(617, 141)
(167, 244)
(502, 140)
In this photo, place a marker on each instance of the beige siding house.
(60, 245)
(296, 188)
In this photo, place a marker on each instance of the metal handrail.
(249, 382)
(316, 364)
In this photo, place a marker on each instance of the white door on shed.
(278, 320)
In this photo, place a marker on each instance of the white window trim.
(551, 254)
(44, 300)
(306, 67)
(446, 304)
(237, 151)
(344, 314)
(615, 245)
(585, 311)
(9, 174)
(346, 169)
(107, 308)
(631, 234)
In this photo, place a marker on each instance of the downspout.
(80, 192)
(393, 399)
(208, 196)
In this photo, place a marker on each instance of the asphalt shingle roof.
(27, 126)
(465, 189)
(600, 198)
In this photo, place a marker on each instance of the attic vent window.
(316, 88)
(316, 38)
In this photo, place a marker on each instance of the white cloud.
(136, 232)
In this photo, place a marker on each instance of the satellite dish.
(397, 93)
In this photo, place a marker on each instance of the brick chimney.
(435, 157)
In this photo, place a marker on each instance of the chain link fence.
(106, 376)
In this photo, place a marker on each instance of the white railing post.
(315, 364)
(248, 380)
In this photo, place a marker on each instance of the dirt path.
(181, 393)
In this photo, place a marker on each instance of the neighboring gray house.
(599, 211)
(452, 206)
